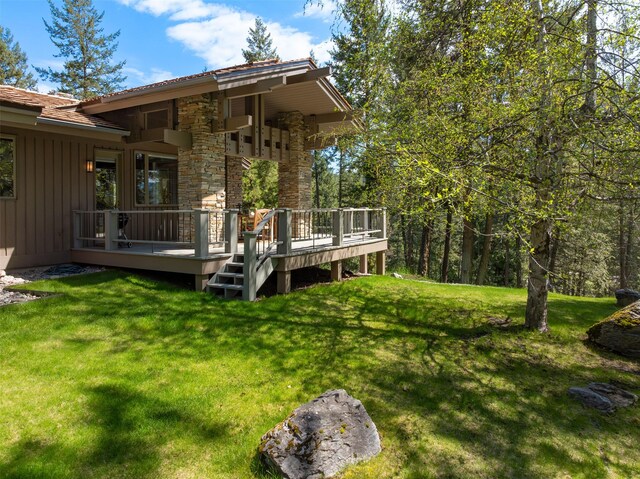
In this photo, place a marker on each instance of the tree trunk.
(507, 261)
(555, 246)
(409, 250)
(425, 249)
(467, 251)
(519, 262)
(536, 314)
(486, 250)
(622, 247)
(444, 276)
(340, 177)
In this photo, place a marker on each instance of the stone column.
(201, 168)
(234, 181)
(294, 175)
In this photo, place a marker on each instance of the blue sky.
(163, 39)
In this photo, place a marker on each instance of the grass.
(123, 377)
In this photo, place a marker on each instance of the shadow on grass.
(430, 371)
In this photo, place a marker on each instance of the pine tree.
(13, 63)
(259, 43)
(87, 51)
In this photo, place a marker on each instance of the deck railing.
(116, 229)
(279, 232)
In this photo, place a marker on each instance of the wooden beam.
(177, 138)
(261, 86)
(311, 75)
(236, 123)
(335, 117)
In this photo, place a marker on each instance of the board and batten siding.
(51, 182)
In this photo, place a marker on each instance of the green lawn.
(120, 376)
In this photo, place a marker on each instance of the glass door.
(107, 179)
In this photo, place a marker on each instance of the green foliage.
(14, 70)
(100, 382)
(260, 185)
(87, 52)
(259, 44)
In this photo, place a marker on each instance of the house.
(151, 177)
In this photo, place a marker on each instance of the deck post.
(77, 229)
(336, 270)
(284, 232)
(380, 263)
(364, 263)
(338, 227)
(201, 217)
(284, 282)
(383, 223)
(249, 269)
(200, 281)
(231, 231)
(110, 230)
(348, 227)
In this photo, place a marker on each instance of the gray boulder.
(321, 437)
(590, 398)
(625, 297)
(620, 332)
(603, 396)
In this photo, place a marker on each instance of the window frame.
(14, 176)
(146, 154)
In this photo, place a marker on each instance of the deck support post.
(338, 228)
(364, 264)
(249, 269)
(200, 281)
(201, 217)
(284, 282)
(231, 231)
(380, 263)
(110, 230)
(336, 270)
(284, 234)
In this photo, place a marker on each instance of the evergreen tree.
(13, 63)
(88, 70)
(259, 43)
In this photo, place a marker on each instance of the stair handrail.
(255, 255)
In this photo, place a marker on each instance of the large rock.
(321, 437)
(620, 332)
(603, 396)
(625, 297)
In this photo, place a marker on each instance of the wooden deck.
(203, 261)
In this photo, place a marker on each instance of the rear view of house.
(151, 177)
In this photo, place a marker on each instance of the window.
(7, 167)
(107, 181)
(156, 179)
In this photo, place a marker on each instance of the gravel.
(18, 277)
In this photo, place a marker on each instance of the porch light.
(90, 166)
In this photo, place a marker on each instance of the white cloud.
(136, 77)
(217, 33)
(324, 11)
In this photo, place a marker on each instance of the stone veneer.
(201, 168)
(294, 176)
(234, 181)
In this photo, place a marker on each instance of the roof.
(51, 107)
(213, 74)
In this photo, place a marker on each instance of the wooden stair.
(229, 281)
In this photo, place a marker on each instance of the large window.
(156, 179)
(7, 167)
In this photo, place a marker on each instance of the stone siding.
(234, 181)
(201, 168)
(294, 176)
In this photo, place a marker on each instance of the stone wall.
(201, 168)
(294, 176)
(234, 181)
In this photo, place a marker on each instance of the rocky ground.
(18, 277)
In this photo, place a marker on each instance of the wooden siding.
(51, 182)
